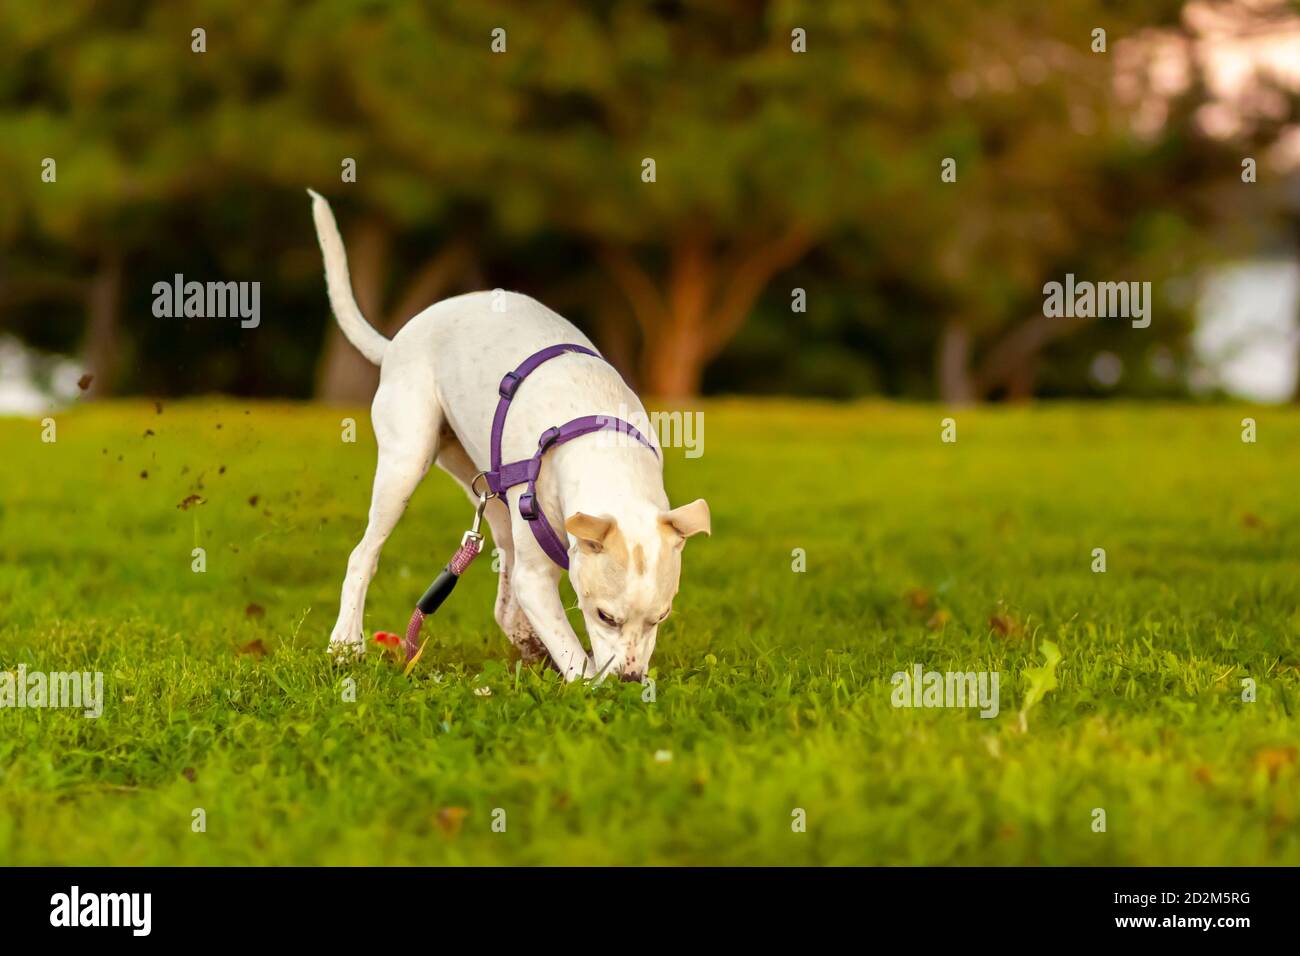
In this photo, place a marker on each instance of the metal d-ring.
(483, 495)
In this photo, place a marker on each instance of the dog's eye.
(607, 618)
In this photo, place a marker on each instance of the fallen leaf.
(917, 598)
(256, 648)
(1274, 759)
(252, 501)
(450, 819)
(144, 474)
(938, 620)
(83, 383)
(255, 610)
(1252, 520)
(1005, 625)
(190, 502)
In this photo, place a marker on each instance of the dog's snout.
(631, 677)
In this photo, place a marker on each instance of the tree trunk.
(952, 366)
(1022, 378)
(1295, 395)
(1012, 362)
(707, 302)
(673, 367)
(103, 328)
(673, 364)
(616, 339)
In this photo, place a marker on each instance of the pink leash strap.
(439, 590)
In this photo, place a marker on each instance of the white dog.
(442, 381)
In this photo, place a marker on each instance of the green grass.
(773, 687)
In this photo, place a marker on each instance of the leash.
(471, 543)
(505, 476)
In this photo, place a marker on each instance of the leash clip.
(473, 534)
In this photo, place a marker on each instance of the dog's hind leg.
(407, 422)
(453, 459)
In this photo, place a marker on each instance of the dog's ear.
(689, 519)
(592, 531)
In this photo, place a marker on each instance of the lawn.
(773, 687)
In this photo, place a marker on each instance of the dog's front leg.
(538, 594)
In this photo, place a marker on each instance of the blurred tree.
(1043, 178)
(1077, 161)
(758, 150)
(696, 149)
(67, 164)
(514, 136)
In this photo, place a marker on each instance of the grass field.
(773, 687)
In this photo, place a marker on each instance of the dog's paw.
(345, 650)
(583, 669)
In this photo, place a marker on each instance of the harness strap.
(507, 389)
(504, 476)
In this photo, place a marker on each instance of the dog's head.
(626, 572)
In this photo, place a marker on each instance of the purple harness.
(502, 477)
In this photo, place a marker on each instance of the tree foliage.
(792, 143)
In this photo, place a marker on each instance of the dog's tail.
(354, 325)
